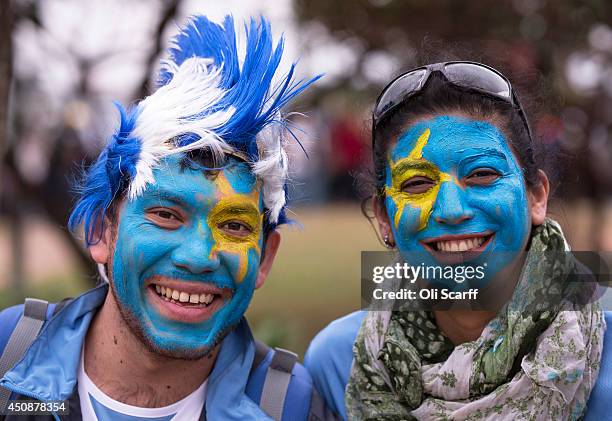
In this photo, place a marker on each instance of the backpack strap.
(272, 399)
(261, 352)
(26, 331)
(277, 382)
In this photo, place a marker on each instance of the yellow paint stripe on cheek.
(241, 251)
(243, 264)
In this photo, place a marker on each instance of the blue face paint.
(452, 176)
(190, 227)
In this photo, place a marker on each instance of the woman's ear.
(101, 250)
(384, 224)
(538, 199)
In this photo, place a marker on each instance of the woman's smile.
(455, 249)
(458, 243)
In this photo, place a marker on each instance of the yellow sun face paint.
(241, 209)
(414, 165)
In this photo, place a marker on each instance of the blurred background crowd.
(63, 62)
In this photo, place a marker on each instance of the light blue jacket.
(48, 371)
(330, 356)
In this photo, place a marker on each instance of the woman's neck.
(465, 325)
(462, 326)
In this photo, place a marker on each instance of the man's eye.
(416, 185)
(164, 218)
(482, 177)
(165, 214)
(235, 228)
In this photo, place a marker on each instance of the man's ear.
(538, 199)
(271, 247)
(101, 251)
(384, 225)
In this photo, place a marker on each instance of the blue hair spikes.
(106, 178)
(219, 92)
(249, 89)
(203, 38)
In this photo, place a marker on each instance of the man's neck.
(120, 365)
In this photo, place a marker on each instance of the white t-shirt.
(98, 406)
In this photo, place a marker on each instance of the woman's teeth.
(183, 297)
(460, 245)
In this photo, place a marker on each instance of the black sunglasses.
(466, 74)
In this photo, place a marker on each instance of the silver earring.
(388, 244)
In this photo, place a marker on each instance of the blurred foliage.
(274, 332)
(377, 21)
(558, 54)
(52, 290)
(398, 27)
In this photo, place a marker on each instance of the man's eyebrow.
(236, 208)
(409, 164)
(166, 196)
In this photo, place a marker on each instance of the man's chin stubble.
(135, 326)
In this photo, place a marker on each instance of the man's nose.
(451, 206)
(197, 252)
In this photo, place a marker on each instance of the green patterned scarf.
(526, 365)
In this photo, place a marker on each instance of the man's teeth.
(460, 245)
(184, 297)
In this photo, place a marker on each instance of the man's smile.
(189, 302)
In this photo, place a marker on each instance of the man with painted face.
(179, 211)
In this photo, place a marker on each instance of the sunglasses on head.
(466, 74)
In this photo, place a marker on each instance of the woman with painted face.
(457, 181)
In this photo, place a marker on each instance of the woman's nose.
(196, 253)
(451, 206)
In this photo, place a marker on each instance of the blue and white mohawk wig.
(207, 98)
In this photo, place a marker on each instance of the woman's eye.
(416, 185)
(482, 177)
(238, 229)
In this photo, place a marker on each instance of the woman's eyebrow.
(409, 164)
(479, 153)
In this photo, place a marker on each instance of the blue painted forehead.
(450, 132)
